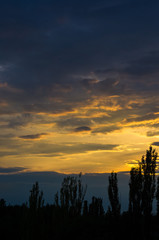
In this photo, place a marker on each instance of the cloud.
(146, 64)
(5, 88)
(155, 143)
(82, 129)
(108, 86)
(20, 120)
(69, 122)
(15, 148)
(147, 117)
(48, 61)
(69, 148)
(152, 133)
(106, 129)
(12, 170)
(33, 136)
(62, 88)
(89, 82)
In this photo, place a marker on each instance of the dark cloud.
(82, 129)
(89, 83)
(109, 86)
(149, 116)
(45, 43)
(112, 86)
(73, 122)
(20, 120)
(155, 143)
(11, 170)
(145, 65)
(33, 136)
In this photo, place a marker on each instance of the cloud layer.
(80, 79)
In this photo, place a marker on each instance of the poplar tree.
(148, 164)
(96, 207)
(142, 184)
(157, 197)
(36, 200)
(135, 192)
(72, 195)
(114, 195)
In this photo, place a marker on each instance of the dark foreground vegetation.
(72, 217)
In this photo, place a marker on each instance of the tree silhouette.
(135, 192)
(142, 189)
(63, 219)
(85, 208)
(56, 199)
(72, 195)
(36, 200)
(2, 203)
(96, 207)
(142, 184)
(157, 196)
(113, 195)
(148, 167)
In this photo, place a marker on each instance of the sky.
(78, 85)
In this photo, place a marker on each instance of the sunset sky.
(79, 84)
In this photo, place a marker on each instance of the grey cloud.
(108, 86)
(149, 116)
(152, 133)
(9, 153)
(20, 120)
(139, 74)
(16, 147)
(47, 56)
(54, 108)
(40, 44)
(88, 82)
(155, 125)
(64, 88)
(155, 143)
(69, 148)
(74, 121)
(147, 64)
(82, 129)
(106, 129)
(12, 170)
(33, 136)
(6, 136)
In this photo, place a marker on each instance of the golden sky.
(97, 134)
